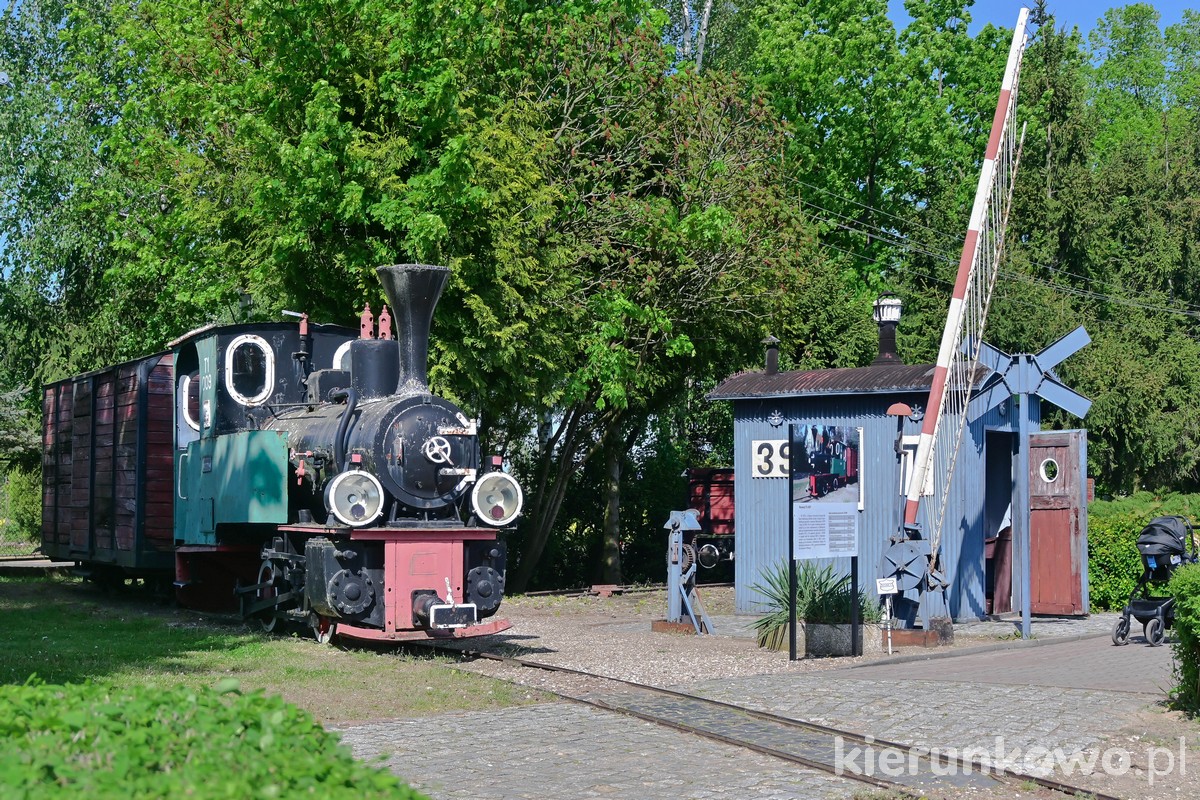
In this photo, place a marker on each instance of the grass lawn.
(67, 631)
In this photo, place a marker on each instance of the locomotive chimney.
(413, 290)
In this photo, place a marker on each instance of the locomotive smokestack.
(412, 291)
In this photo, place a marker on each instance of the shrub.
(1114, 565)
(98, 741)
(822, 596)
(1146, 506)
(23, 503)
(1185, 588)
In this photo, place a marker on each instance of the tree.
(20, 442)
(1100, 237)
(670, 242)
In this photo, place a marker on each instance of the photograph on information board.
(827, 465)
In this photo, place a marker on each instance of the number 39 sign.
(769, 458)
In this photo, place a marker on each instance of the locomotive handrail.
(179, 477)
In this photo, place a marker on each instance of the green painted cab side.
(237, 479)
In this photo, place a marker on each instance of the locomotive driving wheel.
(270, 579)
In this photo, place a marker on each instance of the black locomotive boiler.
(297, 472)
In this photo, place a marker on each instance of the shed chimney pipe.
(772, 355)
(887, 315)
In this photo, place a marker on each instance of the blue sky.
(1069, 13)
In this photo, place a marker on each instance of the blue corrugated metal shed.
(765, 405)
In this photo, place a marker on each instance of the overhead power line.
(897, 239)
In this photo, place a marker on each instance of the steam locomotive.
(299, 473)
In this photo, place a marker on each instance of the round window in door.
(249, 370)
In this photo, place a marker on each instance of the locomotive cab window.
(249, 370)
(341, 356)
(189, 400)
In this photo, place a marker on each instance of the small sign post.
(885, 588)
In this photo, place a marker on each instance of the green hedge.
(21, 504)
(1147, 506)
(98, 741)
(1114, 565)
(1185, 588)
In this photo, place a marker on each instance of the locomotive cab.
(229, 383)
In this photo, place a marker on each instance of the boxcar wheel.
(1154, 632)
(1120, 632)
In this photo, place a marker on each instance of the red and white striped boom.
(958, 354)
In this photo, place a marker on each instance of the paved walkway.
(564, 751)
(1088, 664)
(1068, 694)
(901, 708)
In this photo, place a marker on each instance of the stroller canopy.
(1164, 536)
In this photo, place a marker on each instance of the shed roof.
(880, 379)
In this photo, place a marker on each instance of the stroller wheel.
(1120, 634)
(1154, 632)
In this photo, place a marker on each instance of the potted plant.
(823, 605)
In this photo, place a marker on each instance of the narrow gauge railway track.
(807, 744)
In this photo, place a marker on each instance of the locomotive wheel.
(270, 575)
(323, 628)
(1154, 632)
(1120, 633)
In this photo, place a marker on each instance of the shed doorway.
(999, 452)
(1058, 522)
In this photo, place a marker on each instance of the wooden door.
(1057, 521)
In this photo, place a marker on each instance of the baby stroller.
(1163, 545)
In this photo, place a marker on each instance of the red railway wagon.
(107, 462)
(710, 492)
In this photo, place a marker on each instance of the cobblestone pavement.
(1071, 694)
(936, 714)
(1040, 627)
(1083, 664)
(812, 746)
(560, 751)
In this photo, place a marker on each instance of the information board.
(828, 530)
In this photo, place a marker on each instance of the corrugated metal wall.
(762, 510)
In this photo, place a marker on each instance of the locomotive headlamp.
(496, 499)
(355, 497)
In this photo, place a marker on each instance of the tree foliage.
(625, 220)
(20, 442)
(1106, 221)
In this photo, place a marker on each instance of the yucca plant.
(822, 597)
(771, 630)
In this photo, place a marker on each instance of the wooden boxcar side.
(107, 466)
(710, 492)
